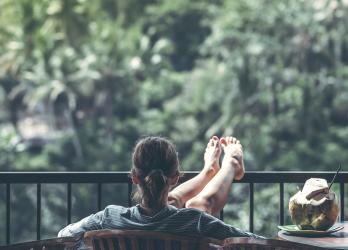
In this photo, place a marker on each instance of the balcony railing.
(101, 178)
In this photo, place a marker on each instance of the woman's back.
(184, 221)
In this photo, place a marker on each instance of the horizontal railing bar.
(285, 176)
(123, 177)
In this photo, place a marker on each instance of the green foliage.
(273, 79)
(100, 74)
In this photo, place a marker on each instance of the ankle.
(230, 160)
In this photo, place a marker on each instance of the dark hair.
(154, 160)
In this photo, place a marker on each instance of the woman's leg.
(187, 190)
(214, 195)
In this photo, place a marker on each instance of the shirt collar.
(161, 214)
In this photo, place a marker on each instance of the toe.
(223, 142)
(215, 138)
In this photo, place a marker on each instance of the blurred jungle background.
(81, 81)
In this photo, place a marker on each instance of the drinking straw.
(339, 168)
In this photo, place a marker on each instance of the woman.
(188, 209)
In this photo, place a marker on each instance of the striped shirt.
(183, 221)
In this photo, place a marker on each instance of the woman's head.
(155, 169)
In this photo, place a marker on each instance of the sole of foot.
(234, 153)
(212, 155)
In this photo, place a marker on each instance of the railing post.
(342, 201)
(8, 213)
(251, 207)
(38, 211)
(99, 196)
(69, 202)
(130, 184)
(281, 203)
(222, 214)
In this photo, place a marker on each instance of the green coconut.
(315, 207)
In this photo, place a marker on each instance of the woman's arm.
(92, 222)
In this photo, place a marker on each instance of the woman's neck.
(150, 211)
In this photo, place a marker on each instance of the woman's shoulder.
(113, 210)
(201, 215)
(191, 211)
(115, 207)
(115, 214)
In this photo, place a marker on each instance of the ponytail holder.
(156, 171)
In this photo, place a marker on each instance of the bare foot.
(212, 155)
(233, 155)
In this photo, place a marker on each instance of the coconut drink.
(315, 207)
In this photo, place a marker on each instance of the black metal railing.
(101, 178)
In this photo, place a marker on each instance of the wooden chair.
(239, 243)
(146, 240)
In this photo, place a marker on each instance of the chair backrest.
(146, 240)
(243, 243)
